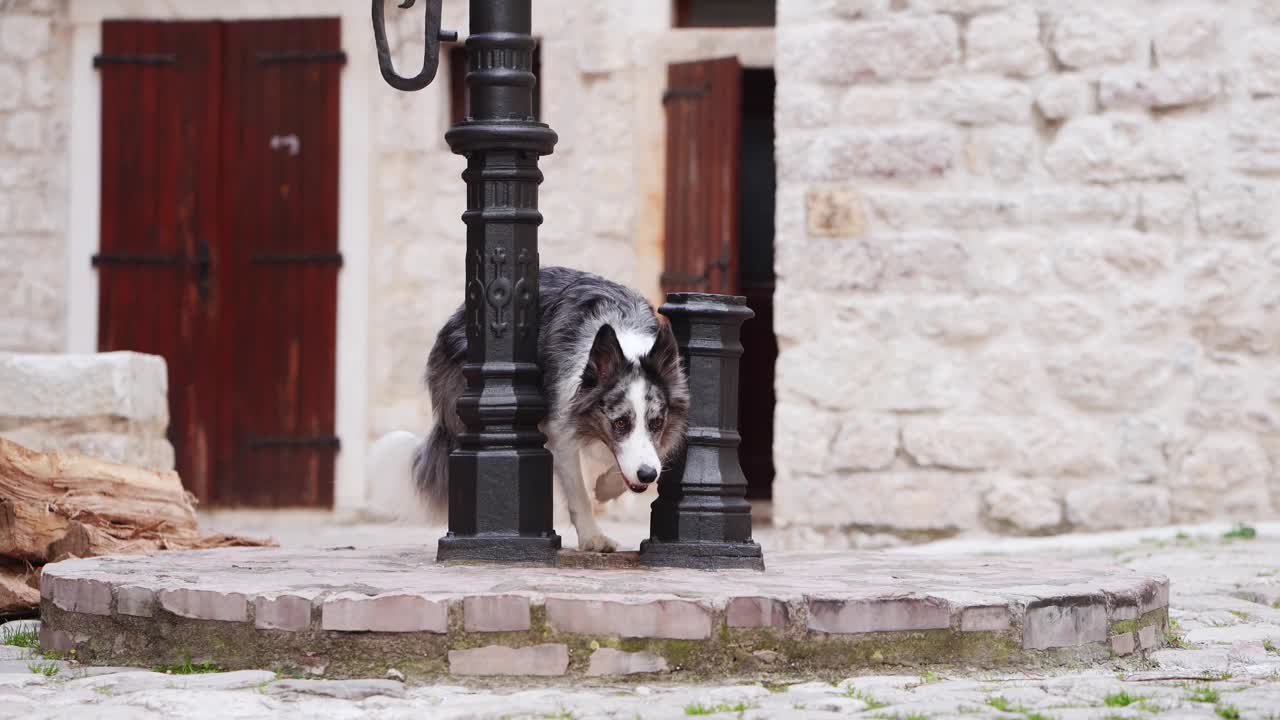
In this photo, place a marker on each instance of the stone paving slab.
(352, 612)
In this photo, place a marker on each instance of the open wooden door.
(219, 245)
(704, 114)
(719, 223)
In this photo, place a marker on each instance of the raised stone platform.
(345, 613)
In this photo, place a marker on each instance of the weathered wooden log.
(54, 506)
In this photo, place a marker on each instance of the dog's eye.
(655, 425)
(621, 426)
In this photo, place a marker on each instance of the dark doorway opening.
(757, 189)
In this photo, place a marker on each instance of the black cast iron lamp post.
(500, 498)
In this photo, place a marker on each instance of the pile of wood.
(59, 506)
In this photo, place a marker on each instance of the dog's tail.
(408, 476)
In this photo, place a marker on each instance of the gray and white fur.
(615, 390)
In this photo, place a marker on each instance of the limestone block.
(1114, 148)
(1235, 209)
(654, 618)
(1255, 138)
(835, 264)
(81, 595)
(1189, 33)
(876, 105)
(607, 661)
(993, 618)
(495, 613)
(1225, 474)
(41, 84)
(10, 87)
(896, 378)
(978, 100)
(548, 659)
(1065, 96)
(25, 131)
(135, 600)
(944, 210)
(1110, 381)
(1061, 320)
(835, 212)
(205, 604)
(805, 106)
(1051, 625)
(863, 616)
(961, 322)
(926, 263)
(902, 47)
(282, 612)
(956, 442)
(1217, 281)
(902, 153)
(1022, 506)
(23, 37)
(1159, 89)
(1059, 446)
(123, 385)
(864, 442)
(1003, 153)
(1144, 450)
(1112, 260)
(386, 612)
(1097, 35)
(960, 7)
(1113, 506)
(1164, 207)
(1064, 205)
(802, 438)
(925, 502)
(756, 612)
(1006, 42)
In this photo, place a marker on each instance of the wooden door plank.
(703, 103)
(286, 191)
(155, 135)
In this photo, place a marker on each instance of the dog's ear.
(605, 360)
(664, 356)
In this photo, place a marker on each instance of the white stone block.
(124, 385)
(1006, 42)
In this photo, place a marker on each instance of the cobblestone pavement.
(1225, 607)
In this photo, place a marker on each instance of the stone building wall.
(1029, 273)
(34, 52)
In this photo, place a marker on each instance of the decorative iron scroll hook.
(431, 57)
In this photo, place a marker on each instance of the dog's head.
(638, 407)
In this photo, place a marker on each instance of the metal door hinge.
(685, 92)
(155, 59)
(275, 57)
(259, 442)
(304, 258)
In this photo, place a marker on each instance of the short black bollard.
(701, 518)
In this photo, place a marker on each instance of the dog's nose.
(647, 474)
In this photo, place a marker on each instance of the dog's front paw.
(597, 543)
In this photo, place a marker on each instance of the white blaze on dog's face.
(633, 446)
(623, 406)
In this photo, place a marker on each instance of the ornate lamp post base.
(701, 518)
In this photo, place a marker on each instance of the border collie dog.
(616, 393)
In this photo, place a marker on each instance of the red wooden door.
(159, 215)
(280, 182)
(219, 243)
(704, 105)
